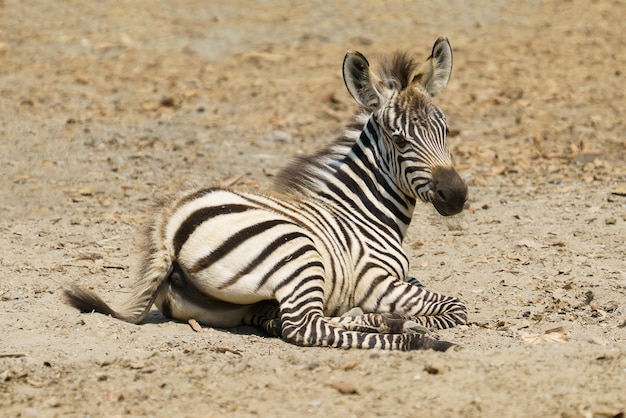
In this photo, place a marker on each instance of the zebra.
(317, 260)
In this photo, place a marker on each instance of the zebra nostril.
(442, 196)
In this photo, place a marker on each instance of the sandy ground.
(105, 105)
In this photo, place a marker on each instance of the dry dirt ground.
(105, 105)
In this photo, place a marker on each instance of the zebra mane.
(399, 67)
(304, 173)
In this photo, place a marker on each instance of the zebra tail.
(156, 267)
(136, 308)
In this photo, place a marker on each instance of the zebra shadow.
(155, 317)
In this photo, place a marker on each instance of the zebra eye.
(399, 140)
(392, 84)
(447, 131)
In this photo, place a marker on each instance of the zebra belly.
(181, 304)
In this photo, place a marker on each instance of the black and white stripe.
(299, 261)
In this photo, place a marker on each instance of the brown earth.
(105, 105)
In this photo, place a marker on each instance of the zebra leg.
(357, 320)
(430, 309)
(265, 315)
(427, 308)
(303, 323)
(413, 281)
(387, 323)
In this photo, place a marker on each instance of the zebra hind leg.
(265, 315)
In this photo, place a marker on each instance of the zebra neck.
(350, 177)
(365, 172)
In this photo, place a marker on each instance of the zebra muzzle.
(449, 191)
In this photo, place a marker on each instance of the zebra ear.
(365, 87)
(434, 74)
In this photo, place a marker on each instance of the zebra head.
(411, 128)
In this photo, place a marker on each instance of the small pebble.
(52, 402)
(433, 368)
(29, 413)
(16, 295)
(279, 136)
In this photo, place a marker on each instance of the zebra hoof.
(442, 346)
(423, 342)
(413, 327)
(455, 347)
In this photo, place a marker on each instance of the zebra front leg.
(266, 315)
(303, 323)
(413, 281)
(387, 323)
(427, 308)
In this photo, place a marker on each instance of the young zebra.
(326, 240)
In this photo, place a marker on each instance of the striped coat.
(318, 260)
